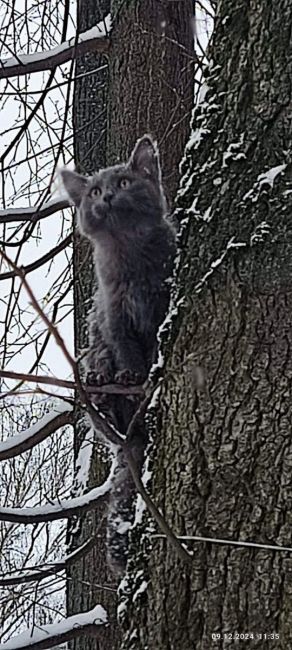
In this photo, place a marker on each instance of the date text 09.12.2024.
(244, 636)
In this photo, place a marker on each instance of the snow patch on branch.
(61, 197)
(29, 639)
(58, 510)
(98, 31)
(60, 406)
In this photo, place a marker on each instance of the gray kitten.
(121, 210)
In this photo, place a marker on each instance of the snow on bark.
(83, 461)
(270, 175)
(265, 178)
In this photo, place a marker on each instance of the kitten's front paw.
(94, 378)
(128, 377)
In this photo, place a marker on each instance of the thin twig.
(42, 260)
(228, 542)
(108, 389)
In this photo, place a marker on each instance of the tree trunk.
(222, 463)
(151, 80)
(167, 117)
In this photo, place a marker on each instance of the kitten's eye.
(95, 192)
(124, 183)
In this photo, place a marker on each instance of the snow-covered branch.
(48, 636)
(33, 214)
(59, 416)
(93, 40)
(60, 510)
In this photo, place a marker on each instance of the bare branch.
(42, 260)
(100, 423)
(48, 636)
(93, 40)
(31, 93)
(38, 573)
(109, 389)
(229, 542)
(163, 525)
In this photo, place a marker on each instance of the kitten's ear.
(145, 159)
(74, 184)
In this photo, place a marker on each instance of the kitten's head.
(126, 197)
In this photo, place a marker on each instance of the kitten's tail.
(120, 516)
(121, 503)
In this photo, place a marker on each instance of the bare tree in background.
(39, 137)
(88, 578)
(35, 138)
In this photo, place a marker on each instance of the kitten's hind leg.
(99, 364)
(98, 361)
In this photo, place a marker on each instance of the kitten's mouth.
(101, 214)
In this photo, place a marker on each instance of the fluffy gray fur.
(121, 210)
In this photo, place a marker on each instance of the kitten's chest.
(137, 304)
(133, 302)
(131, 282)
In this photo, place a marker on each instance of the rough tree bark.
(160, 95)
(151, 80)
(222, 465)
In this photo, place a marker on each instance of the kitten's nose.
(108, 195)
